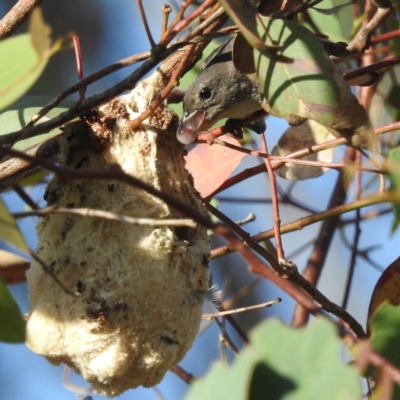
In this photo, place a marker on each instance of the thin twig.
(178, 25)
(244, 291)
(292, 288)
(242, 309)
(365, 98)
(126, 62)
(93, 102)
(17, 16)
(226, 338)
(215, 16)
(15, 170)
(287, 270)
(25, 197)
(166, 10)
(165, 37)
(158, 393)
(375, 67)
(79, 390)
(123, 64)
(385, 37)
(153, 58)
(79, 65)
(184, 375)
(270, 257)
(275, 204)
(250, 218)
(146, 24)
(53, 276)
(360, 41)
(353, 259)
(388, 197)
(114, 173)
(87, 212)
(316, 262)
(277, 161)
(174, 81)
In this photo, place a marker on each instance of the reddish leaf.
(12, 267)
(387, 288)
(210, 166)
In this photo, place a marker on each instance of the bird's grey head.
(220, 91)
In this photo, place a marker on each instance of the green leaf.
(394, 177)
(310, 86)
(393, 25)
(20, 67)
(22, 111)
(228, 384)
(285, 364)
(22, 60)
(303, 85)
(385, 333)
(393, 99)
(243, 14)
(337, 27)
(9, 231)
(12, 326)
(33, 179)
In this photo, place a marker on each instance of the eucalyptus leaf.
(310, 86)
(23, 58)
(12, 326)
(338, 26)
(334, 9)
(9, 230)
(385, 333)
(394, 176)
(244, 14)
(305, 85)
(286, 364)
(22, 111)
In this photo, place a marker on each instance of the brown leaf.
(210, 166)
(40, 32)
(300, 137)
(242, 57)
(12, 267)
(387, 288)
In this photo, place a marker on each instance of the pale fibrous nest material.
(141, 287)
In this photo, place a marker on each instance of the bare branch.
(17, 16)
(87, 212)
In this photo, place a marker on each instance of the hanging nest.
(140, 287)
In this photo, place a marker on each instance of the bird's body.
(222, 91)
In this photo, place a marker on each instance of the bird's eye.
(205, 93)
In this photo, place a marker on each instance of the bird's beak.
(190, 126)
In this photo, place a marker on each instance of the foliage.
(277, 367)
(287, 53)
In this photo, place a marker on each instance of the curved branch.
(17, 16)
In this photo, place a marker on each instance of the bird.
(221, 91)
